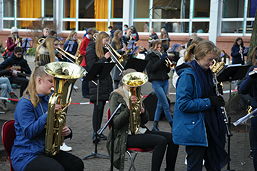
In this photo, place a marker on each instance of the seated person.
(6, 90)
(158, 141)
(17, 68)
(28, 151)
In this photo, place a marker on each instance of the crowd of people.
(197, 122)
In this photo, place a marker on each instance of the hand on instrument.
(66, 131)
(107, 55)
(58, 107)
(15, 72)
(217, 101)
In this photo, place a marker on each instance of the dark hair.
(52, 33)
(18, 49)
(239, 38)
(110, 27)
(125, 25)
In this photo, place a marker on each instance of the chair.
(8, 135)
(131, 150)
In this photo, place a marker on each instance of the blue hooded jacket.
(30, 131)
(188, 121)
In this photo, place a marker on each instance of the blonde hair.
(200, 50)
(188, 56)
(72, 33)
(116, 40)
(31, 89)
(99, 44)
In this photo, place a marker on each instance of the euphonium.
(70, 57)
(134, 81)
(65, 74)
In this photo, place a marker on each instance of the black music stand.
(231, 73)
(98, 71)
(137, 64)
(110, 121)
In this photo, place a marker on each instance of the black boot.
(155, 126)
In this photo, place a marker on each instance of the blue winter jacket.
(30, 132)
(188, 121)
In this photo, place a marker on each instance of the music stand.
(137, 64)
(98, 71)
(231, 73)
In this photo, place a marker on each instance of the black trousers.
(22, 81)
(85, 87)
(63, 161)
(195, 156)
(160, 142)
(98, 115)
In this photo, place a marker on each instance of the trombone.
(115, 56)
(69, 56)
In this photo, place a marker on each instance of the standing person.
(158, 141)
(165, 38)
(119, 46)
(12, 41)
(18, 69)
(238, 52)
(30, 119)
(249, 86)
(82, 51)
(96, 53)
(157, 72)
(72, 43)
(198, 123)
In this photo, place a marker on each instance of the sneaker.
(66, 148)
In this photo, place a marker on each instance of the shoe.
(155, 126)
(3, 105)
(66, 148)
(95, 138)
(102, 137)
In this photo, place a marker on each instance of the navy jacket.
(236, 56)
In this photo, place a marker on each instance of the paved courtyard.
(79, 119)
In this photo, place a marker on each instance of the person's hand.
(15, 72)
(217, 101)
(57, 107)
(17, 41)
(66, 131)
(107, 55)
(142, 110)
(133, 99)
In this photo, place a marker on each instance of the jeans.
(161, 90)
(22, 81)
(5, 86)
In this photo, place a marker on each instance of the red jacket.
(82, 50)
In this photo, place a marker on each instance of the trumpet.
(70, 57)
(115, 56)
(169, 63)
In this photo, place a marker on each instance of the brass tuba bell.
(65, 74)
(134, 81)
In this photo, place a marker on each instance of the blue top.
(188, 121)
(30, 131)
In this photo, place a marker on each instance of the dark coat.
(14, 61)
(105, 84)
(156, 68)
(236, 56)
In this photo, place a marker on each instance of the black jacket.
(236, 56)
(105, 84)
(14, 61)
(156, 68)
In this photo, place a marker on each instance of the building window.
(141, 9)
(48, 8)
(238, 16)
(201, 8)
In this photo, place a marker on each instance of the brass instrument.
(134, 81)
(70, 57)
(115, 56)
(65, 74)
(250, 114)
(19, 41)
(169, 63)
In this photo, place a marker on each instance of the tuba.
(65, 74)
(134, 81)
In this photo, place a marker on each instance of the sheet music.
(245, 118)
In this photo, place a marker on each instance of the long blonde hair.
(72, 33)
(189, 56)
(99, 44)
(116, 40)
(30, 91)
